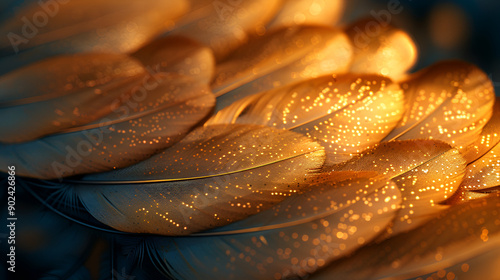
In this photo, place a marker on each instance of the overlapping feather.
(308, 12)
(380, 48)
(64, 92)
(219, 175)
(157, 115)
(224, 25)
(292, 239)
(345, 113)
(449, 101)
(426, 171)
(483, 171)
(278, 58)
(179, 55)
(458, 234)
(214, 176)
(63, 27)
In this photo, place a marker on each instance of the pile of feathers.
(234, 139)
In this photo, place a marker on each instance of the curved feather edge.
(180, 55)
(64, 92)
(426, 171)
(489, 138)
(214, 176)
(390, 51)
(158, 114)
(224, 26)
(63, 202)
(449, 101)
(483, 169)
(261, 64)
(326, 13)
(89, 26)
(345, 113)
(292, 239)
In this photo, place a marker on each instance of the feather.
(225, 25)
(483, 266)
(489, 138)
(214, 176)
(483, 172)
(345, 113)
(426, 171)
(308, 12)
(279, 58)
(64, 92)
(83, 26)
(63, 201)
(294, 238)
(158, 114)
(461, 232)
(449, 101)
(180, 55)
(380, 48)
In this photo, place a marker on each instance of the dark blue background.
(482, 17)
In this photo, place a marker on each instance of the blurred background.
(445, 29)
